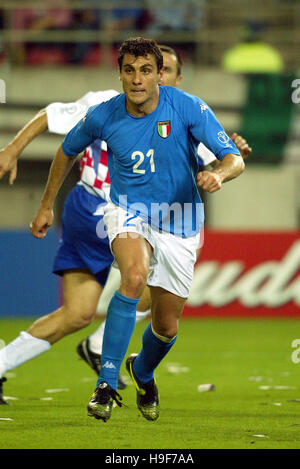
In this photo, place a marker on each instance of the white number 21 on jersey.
(140, 155)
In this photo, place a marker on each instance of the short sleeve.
(84, 133)
(206, 129)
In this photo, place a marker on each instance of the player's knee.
(169, 332)
(79, 318)
(134, 281)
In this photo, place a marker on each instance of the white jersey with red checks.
(62, 117)
(95, 181)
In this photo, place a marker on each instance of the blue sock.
(152, 353)
(120, 322)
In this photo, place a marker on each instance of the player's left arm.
(230, 167)
(242, 146)
(204, 127)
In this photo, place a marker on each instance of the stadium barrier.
(238, 274)
(27, 286)
(242, 274)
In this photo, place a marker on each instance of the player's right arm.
(81, 136)
(10, 153)
(60, 167)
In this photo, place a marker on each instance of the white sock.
(96, 339)
(22, 349)
(140, 315)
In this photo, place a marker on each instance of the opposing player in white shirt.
(85, 265)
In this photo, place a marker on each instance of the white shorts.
(173, 258)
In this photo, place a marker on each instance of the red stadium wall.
(247, 275)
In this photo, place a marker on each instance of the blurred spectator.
(252, 54)
(171, 15)
(1, 41)
(267, 110)
(83, 20)
(174, 16)
(124, 19)
(53, 16)
(49, 17)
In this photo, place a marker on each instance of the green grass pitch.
(256, 403)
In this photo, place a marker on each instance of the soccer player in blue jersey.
(58, 119)
(155, 214)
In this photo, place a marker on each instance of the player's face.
(170, 76)
(140, 78)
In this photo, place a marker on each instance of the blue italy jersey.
(153, 159)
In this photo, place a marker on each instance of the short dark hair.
(170, 50)
(140, 47)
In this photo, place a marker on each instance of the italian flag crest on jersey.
(164, 129)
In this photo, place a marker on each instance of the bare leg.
(166, 311)
(133, 257)
(143, 311)
(158, 339)
(81, 296)
(82, 293)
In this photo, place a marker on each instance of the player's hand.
(42, 221)
(209, 181)
(8, 163)
(242, 145)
